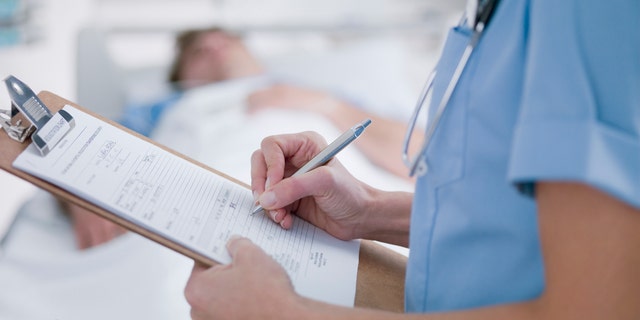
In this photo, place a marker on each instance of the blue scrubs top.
(552, 92)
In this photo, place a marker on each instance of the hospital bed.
(369, 71)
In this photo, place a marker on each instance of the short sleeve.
(579, 117)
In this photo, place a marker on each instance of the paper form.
(188, 204)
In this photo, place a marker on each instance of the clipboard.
(381, 271)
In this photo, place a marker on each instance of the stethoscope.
(478, 21)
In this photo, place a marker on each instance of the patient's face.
(215, 56)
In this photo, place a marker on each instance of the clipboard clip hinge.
(44, 129)
(15, 131)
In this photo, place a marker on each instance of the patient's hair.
(184, 40)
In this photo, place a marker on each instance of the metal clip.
(45, 129)
(15, 131)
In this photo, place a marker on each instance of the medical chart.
(188, 204)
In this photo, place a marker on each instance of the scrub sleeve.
(580, 113)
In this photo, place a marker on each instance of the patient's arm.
(384, 139)
(90, 229)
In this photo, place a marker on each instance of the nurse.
(527, 202)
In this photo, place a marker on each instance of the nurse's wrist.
(387, 218)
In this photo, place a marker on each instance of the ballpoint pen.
(329, 152)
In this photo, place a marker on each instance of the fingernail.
(267, 183)
(268, 199)
(274, 215)
(255, 197)
(282, 223)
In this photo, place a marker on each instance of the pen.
(329, 152)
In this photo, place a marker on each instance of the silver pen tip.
(256, 209)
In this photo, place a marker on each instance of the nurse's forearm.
(387, 217)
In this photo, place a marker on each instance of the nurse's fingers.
(274, 156)
(286, 153)
(282, 217)
(279, 157)
(258, 173)
(290, 151)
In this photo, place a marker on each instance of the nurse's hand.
(328, 196)
(252, 286)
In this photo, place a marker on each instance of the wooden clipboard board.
(381, 271)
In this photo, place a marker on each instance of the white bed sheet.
(43, 276)
(212, 125)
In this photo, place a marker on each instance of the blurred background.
(104, 53)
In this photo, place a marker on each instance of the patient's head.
(210, 55)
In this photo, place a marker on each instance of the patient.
(213, 56)
(209, 56)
